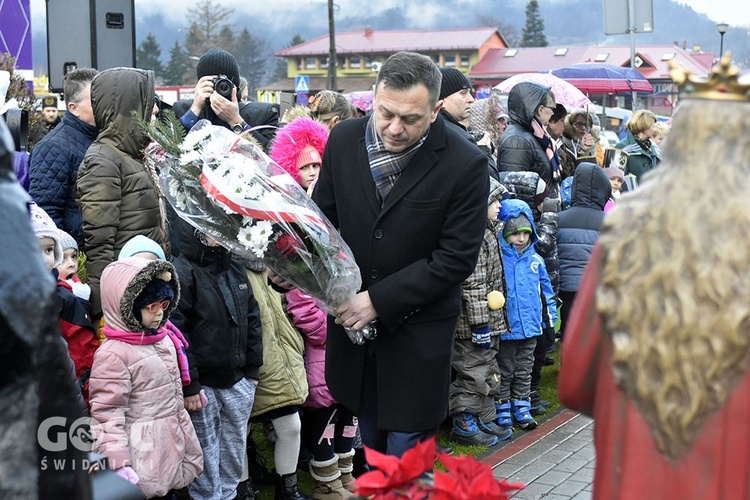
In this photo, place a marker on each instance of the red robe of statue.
(628, 463)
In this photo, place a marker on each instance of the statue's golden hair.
(675, 288)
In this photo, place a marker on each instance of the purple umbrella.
(600, 78)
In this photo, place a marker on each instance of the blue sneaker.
(502, 433)
(521, 413)
(466, 431)
(503, 419)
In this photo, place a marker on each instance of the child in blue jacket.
(528, 285)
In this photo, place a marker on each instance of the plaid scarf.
(386, 167)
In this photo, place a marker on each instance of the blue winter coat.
(53, 171)
(578, 227)
(527, 281)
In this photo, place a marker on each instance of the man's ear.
(436, 110)
(73, 108)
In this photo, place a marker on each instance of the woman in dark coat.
(525, 145)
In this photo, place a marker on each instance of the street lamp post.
(722, 27)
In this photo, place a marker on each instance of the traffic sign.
(302, 84)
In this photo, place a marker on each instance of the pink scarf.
(152, 337)
(550, 148)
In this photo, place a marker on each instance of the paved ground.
(555, 461)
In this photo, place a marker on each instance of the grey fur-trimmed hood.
(123, 280)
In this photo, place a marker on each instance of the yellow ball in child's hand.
(495, 300)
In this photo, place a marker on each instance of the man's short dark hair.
(404, 70)
(559, 113)
(75, 83)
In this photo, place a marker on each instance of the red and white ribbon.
(282, 211)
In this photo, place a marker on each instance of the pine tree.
(280, 71)
(177, 67)
(533, 32)
(148, 55)
(252, 55)
(209, 28)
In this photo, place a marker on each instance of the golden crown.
(723, 84)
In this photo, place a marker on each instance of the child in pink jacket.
(298, 148)
(139, 417)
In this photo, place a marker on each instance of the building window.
(368, 63)
(450, 60)
(354, 62)
(324, 62)
(465, 62)
(311, 63)
(300, 63)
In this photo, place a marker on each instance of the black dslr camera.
(223, 86)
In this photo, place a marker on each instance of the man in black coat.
(220, 101)
(409, 195)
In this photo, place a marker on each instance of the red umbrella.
(600, 78)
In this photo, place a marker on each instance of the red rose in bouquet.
(288, 245)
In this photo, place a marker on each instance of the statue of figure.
(657, 348)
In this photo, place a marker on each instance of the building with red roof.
(484, 55)
(360, 53)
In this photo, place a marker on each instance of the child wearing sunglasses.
(139, 418)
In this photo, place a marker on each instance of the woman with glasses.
(643, 154)
(578, 143)
(526, 146)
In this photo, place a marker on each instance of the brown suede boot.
(346, 466)
(328, 480)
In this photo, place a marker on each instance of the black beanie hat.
(156, 289)
(219, 62)
(453, 81)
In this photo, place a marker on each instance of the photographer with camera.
(216, 98)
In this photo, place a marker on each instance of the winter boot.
(256, 465)
(503, 419)
(502, 433)
(520, 410)
(286, 488)
(346, 467)
(465, 431)
(327, 477)
(246, 490)
(539, 406)
(360, 462)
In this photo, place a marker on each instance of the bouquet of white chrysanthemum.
(226, 186)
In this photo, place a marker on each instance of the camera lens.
(223, 86)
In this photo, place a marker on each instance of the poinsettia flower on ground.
(393, 473)
(410, 477)
(469, 479)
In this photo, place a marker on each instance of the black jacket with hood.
(519, 150)
(217, 314)
(578, 227)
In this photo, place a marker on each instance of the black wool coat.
(413, 253)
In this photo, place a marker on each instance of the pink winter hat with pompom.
(301, 142)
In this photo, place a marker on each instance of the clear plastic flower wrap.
(229, 189)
